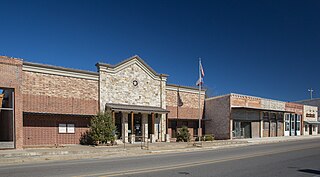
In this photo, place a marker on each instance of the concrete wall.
(217, 117)
(11, 77)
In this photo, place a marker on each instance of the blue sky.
(263, 48)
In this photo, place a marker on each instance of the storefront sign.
(310, 115)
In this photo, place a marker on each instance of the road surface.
(294, 158)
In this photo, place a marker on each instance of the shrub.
(208, 138)
(183, 134)
(102, 128)
(86, 139)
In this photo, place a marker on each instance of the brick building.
(242, 116)
(312, 117)
(50, 105)
(183, 104)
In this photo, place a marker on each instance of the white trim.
(59, 72)
(182, 89)
(216, 97)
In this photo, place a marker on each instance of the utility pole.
(311, 93)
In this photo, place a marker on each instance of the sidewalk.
(69, 152)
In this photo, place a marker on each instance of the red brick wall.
(191, 124)
(190, 107)
(11, 77)
(59, 94)
(294, 107)
(217, 117)
(41, 129)
(245, 101)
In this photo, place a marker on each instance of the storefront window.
(287, 126)
(265, 115)
(266, 125)
(298, 122)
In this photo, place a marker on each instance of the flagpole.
(199, 131)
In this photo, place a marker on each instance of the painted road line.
(195, 163)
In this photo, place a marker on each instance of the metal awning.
(135, 108)
(312, 122)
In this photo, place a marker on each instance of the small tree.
(102, 128)
(183, 134)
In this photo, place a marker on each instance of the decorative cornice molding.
(60, 71)
(113, 69)
(184, 89)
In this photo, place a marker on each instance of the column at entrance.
(132, 137)
(163, 127)
(145, 127)
(125, 136)
(152, 133)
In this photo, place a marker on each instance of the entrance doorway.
(310, 129)
(118, 123)
(241, 129)
(6, 118)
(137, 126)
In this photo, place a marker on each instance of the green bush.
(102, 128)
(205, 138)
(208, 138)
(183, 134)
(86, 139)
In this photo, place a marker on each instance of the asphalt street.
(294, 158)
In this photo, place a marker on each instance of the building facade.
(49, 105)
(310, 120)
(315, 122)
(183, 104)
(242, 116)
(45, 105)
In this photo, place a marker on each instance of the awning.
(135, 108)
(312, 122)
(261, 109)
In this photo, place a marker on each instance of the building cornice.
(184, 89)
(113, 69)
(60, 71)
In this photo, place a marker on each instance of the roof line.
(187, 87)
(129, 59)
(59, 68)
(307, 100)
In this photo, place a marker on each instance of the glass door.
(293, 125)
(298, 123)
(287, 125)
(138, 127)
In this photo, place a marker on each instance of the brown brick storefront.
(42, 129)
(53, 96)
(183, 104)
(11, 78)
